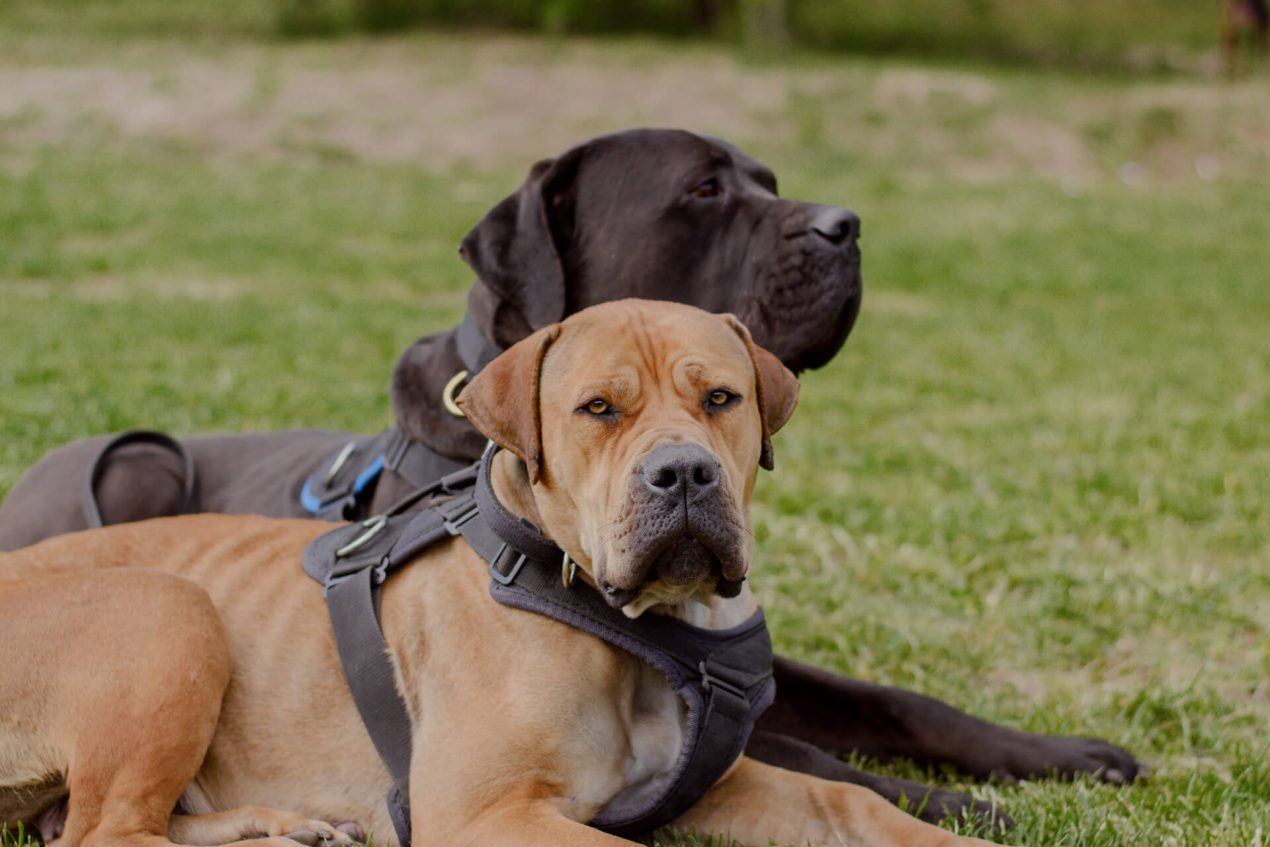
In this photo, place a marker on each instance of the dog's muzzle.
(680, 527)
(808, 297)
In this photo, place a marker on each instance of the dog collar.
(475, 349)
(724, 677)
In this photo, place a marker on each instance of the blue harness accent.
(342, 490)
(344, 485)
(330, 493)
(314, 506)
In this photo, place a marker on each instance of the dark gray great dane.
(658, 214)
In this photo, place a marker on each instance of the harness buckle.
(453, 525)
(509, 577)
(709, 681)
(333, 580)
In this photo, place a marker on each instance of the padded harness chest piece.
(724, 677)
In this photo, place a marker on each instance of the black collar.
(475, 349)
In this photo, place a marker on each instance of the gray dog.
(657, 214)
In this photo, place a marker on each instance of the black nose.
(678, 470)
(837, 226)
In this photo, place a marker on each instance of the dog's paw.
(273, 823)
(1049, 755)
(319, 834)
(941, 804)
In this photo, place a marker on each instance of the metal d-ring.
(373, 526)
(339, 462)
(447, 394)
(568, 571)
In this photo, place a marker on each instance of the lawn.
(1035, 484)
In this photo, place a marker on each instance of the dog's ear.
(515, 249)
(502, 401)
(777, 389)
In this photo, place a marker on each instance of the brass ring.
(447, 394)
(568, 571)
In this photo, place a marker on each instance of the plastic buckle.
(509, 577)
(334, 580)
(380, 572)
(453, 483)
(709, 681)
(455, 524)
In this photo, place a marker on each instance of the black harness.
(344, 489)
(724, 677)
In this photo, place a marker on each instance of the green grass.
(1034, 484)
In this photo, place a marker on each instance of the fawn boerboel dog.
(188, 663)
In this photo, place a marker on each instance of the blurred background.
(1034, 483)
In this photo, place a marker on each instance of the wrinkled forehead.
(639, 348)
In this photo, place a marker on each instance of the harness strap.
(353, 603)
(344, 487)
(92, 508)
(415, 462)
(475, 349)
(352, 587)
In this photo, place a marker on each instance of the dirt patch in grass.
(447, 104)
(380, 104)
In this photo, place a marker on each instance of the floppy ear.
(502, 400)
(513, 249)
(777, 389)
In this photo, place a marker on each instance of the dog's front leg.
(516, 823)
(841, 715)
(757, 804)
(465, 794)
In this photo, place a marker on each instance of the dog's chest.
(654, 718)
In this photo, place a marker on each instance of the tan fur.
(191, 658)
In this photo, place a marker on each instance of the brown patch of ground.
(440, 104)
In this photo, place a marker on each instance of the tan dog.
(189, 659)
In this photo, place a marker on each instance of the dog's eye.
(719, 398)
(705, 189)
(598, 407)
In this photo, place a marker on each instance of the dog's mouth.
(679, 535)
(686, 568)
(808, 305)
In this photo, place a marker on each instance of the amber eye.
(597, 406)
(720, 397)
(705, 189)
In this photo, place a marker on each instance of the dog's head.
(639, 429)
(667, 215)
